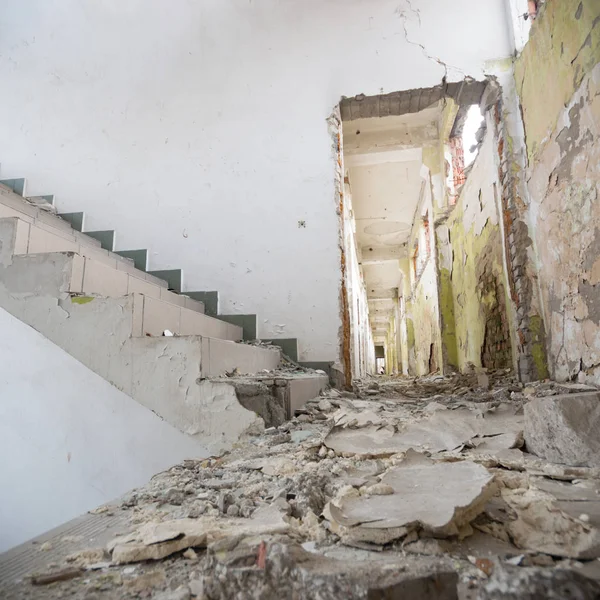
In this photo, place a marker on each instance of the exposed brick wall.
(496, 350)
(518, 242)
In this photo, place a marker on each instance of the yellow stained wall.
(564, 45)
(477, 279)
(558, 81)
(423, 318)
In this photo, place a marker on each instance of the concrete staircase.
(110, 315)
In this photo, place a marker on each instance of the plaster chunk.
(564, 429)
(416, 501)
(443, 430)
(154, 541)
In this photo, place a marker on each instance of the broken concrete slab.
(501, 427)
(565, 429)
(416, 501)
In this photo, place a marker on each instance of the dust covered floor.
(404, 488)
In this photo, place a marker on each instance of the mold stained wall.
(558, 82)
(423, 319)
(200, 133)
(477, 278)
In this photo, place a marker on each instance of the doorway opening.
(404, 160)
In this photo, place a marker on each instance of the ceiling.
(384, 198)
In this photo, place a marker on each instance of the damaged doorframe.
(335, 131)
(488, 95)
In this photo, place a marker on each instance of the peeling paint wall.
(447, 315)
(559, 70)
(423, 319)
(476, 277)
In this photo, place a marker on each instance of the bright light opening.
(472, 124)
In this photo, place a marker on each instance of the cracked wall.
(424, 338)
(472, 276)
(560, 67)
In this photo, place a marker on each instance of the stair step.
(173, 277)
(248, 323)
(106, 238)
(10, 206)
(45, 203)
(210, 300)
(289, 346)
(165, 374)
(59, 235)
(74, 218)
(108, 273)
(16, 185)
(154, 309)
(139, 257)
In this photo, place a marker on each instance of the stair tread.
(38, 240)
(61, 227)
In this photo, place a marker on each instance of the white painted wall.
(69, 441)
(198, 129)
(362, 349)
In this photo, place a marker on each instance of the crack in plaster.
(402, 13)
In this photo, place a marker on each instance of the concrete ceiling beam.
(410, 101)
(382, 157)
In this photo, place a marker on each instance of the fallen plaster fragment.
(564, 429)
(500, 427)
(543, 524)
(440, 498)
(345, 417)
(154, 541)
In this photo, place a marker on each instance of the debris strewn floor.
(402, 488)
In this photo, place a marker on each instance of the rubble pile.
(401, 488)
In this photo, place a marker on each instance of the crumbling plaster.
(200, 133)
(565, 211)
(564, 45)
(477, 276)
(69, 440)
(559, 69)
(167, 375)
(423, 325)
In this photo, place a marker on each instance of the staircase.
(116, 319)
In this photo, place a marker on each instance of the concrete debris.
(400, 488)
(564, 429)
(517, 583)
(413, 501)
(153, 541)
(501, 427)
